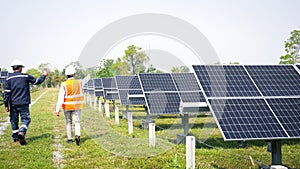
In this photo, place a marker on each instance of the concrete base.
(278, 167)
(145, 123)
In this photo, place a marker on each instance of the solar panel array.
(164, 92)
(130, 86)
(3, 76)
(253, 102)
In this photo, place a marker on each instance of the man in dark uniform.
(17, 99)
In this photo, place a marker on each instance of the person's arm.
(60, 100)
(37, 81)
(7, 98)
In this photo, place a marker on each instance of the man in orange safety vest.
(71, 99)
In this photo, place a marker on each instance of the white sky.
(250, 32)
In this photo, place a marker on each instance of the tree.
(234, 63)
(46, 67)
(56, 78)
(292, 45)
(34, 72)
(106, 68)
(135, 58)
(180, 69)
(120, 68)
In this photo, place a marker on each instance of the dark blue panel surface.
(242, 119)
(4, 73)
(157, 82)
(132, 101)
(276, 80)
(98, 84)
(99, 93)
(109, 83)
(298, 66)
(128, 82)
(288, 112)
(225, 81)
(111, 94)
(192, 97)
(163, 103)
(186, 82)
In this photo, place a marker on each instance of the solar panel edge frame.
(146, 101)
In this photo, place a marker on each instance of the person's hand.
(45, 73)
(57, 114)
(6, 109)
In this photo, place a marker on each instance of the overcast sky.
(249, 32)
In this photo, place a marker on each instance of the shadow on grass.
(35, 138)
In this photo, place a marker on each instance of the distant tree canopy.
(180, 69)
(292, 45)
(132, 63)
(34, 72)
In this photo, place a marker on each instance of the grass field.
(107, 145)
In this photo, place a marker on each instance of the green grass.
(107, 145)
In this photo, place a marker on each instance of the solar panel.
(111, 94)
(157, 82)
(90, 87)
(98, 87)
(192, 96)
(97, 84)
(241, 119)
(225, 81)
(276, 80)
(132, 100)
(298, 66)
(163, 103)
(4, 73)
(287, 111)
(128, 82)
(186, 82)
(130, 85)
(2, 80)
(109, 83)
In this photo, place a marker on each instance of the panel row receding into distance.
(253, 102)
(110, 89)
(164, 92)
(130, 86)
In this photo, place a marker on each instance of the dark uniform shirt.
(17, 89)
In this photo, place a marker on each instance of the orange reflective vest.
(74, 97)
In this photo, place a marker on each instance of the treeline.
(133, 62)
